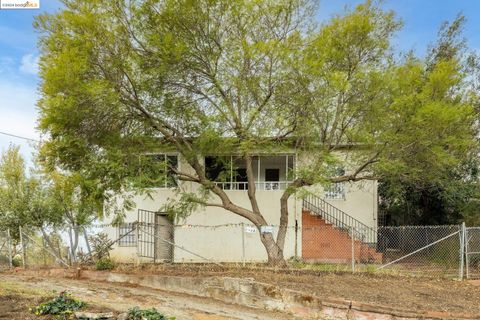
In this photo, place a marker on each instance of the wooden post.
(10, 258)
(24, 252)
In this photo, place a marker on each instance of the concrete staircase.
(323, 241)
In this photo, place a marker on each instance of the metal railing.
(340, 219)
(260, 185)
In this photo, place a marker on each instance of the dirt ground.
(29, 290)
(413, 293)
(16, 299)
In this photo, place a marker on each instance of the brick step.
(327, 243)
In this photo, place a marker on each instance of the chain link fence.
(472, 252)
(436, 251)
(421, 250)
(6, 254)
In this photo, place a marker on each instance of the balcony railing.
(261, 185)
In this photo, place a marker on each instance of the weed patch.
(62, 307)
(148, 314)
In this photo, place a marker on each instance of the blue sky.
(18, 51)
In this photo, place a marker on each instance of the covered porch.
(272, 172)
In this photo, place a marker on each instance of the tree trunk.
(274, 252)
(85, 235)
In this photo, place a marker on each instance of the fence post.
(10, 258)
(462, 250)
(352, 235)
(243, 244)
(24, 253)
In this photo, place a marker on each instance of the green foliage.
(146, 314)
(123, 80)
(17, 261)
(101, 245)
(62, 306)
(104, 263)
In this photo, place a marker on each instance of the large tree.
(449, 195)
(124, 77)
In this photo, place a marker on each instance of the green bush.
(61, 306)
(104, 264)
(17, 261)
(150, 314)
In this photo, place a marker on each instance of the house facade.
(215, 234)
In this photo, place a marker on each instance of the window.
(272, 177)
(270, 172)
(127, 235)
(216, 169)
(158, 171)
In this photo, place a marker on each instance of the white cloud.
(29, 64)
(18, 115)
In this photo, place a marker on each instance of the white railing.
(261, 185)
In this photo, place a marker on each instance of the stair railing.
(340, 219)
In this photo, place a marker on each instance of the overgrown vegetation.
(146, 314)
(104, 263)
(62, 307)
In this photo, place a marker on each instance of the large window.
(127, 235)
(270, 172)
(158, 170)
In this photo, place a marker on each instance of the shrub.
(62, 305)
(17, 261)
(150, 314)
(101, 245)
(104, 264)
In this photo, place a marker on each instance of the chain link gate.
(472, 252)
(423, 250)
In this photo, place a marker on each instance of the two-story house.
(319, 225)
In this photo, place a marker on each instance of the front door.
(163, 239)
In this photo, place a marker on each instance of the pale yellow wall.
(224, 243)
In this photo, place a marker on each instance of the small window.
(127, 235)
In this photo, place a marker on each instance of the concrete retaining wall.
(247, 292)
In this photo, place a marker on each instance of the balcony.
(271, 172)
(262, 185)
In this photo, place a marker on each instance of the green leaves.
(146, 314)
(123, 79)
(62, 305)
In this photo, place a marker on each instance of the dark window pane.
(216, 168)
(272, 174)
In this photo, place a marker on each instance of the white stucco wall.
(202, 231)
(212, 232)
